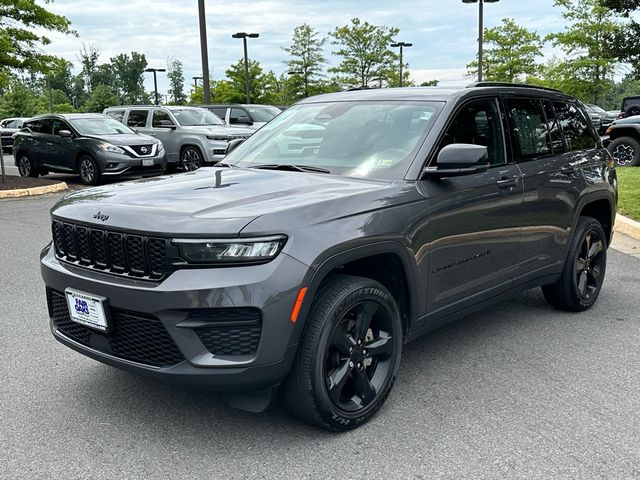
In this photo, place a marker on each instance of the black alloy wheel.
(26, 168)
(359, 356)
(581, 280)
(349, 355)
(191, 159)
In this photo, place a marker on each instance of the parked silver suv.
(191, 136)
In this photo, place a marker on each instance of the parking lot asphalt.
(516, 391)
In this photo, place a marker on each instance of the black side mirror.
(233, 144)
(460, 159)
(65, 134)
(244, 120)
(166, 124)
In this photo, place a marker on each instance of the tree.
(103, 96)
(590, 25)
(430, 83)
(176, 81)
(129, 77)
(510, 53)
(21, 41)
(367, 59)
(625, 44)
(88, 58)
(306, 61)
(21, 101)
(258, 82)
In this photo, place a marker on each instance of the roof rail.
(507, 84)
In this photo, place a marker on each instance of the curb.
(28, 192)
(627, 226)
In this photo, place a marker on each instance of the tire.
(336, 349)
(580, 283)
(625, 151)
(191, 159)
(88, 170)
(26, 166)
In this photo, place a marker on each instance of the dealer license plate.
(87, 309)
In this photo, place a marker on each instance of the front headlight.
(220, 138)
(107, 147)
(160, 147)
(250, 250)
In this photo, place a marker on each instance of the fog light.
(112, 165)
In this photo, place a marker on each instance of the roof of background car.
(67, 116)
(430, 93)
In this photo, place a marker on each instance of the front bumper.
(115, 164)
(272, 288)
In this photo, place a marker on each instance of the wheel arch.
(625, 131)
(388, 262)
(602, 209)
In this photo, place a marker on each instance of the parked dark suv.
(310, 268)
(89, 144)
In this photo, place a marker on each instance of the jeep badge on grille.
(101, 216)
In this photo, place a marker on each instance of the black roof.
(438, 93)
(67, 116)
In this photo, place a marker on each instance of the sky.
(443, 32)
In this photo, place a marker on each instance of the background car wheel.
(191, 159)
(88, 170)
(26, 166)
(349, 355)
(579, 285)
(625, 151)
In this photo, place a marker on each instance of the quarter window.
(577, 132)
(137, 118)
(530, 127)
(478, 123)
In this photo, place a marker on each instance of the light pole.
(155, 80)
(244, 36)
(480, 30)
(195, 81)
(402, 46)
(206, 86)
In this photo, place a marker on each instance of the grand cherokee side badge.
(101, 216)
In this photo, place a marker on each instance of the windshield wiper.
(292, 168)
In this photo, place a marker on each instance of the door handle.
(507, 182)
(568, 169)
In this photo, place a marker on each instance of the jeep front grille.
(112, 252)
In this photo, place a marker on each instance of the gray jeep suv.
(191, 136)
(307, 270)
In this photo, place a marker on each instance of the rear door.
(549, 171)
(38, 143)
(474, 220)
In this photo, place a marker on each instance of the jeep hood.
(220, 201)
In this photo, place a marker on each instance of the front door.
(62, 151)
(474, 220)
(167, 136)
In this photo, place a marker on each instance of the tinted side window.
(478, 123)
(158, 116)
(530, 127)
(10, 124)
(42, 125)
(220, 111)
(576, 130)
(60, 125)
(116, 114)
(557, 142)
(235, 114)
(137, 118)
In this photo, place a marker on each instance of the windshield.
(99, 126)
(595, 108)
(363, 139)
(192, 117)
(263, 114)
